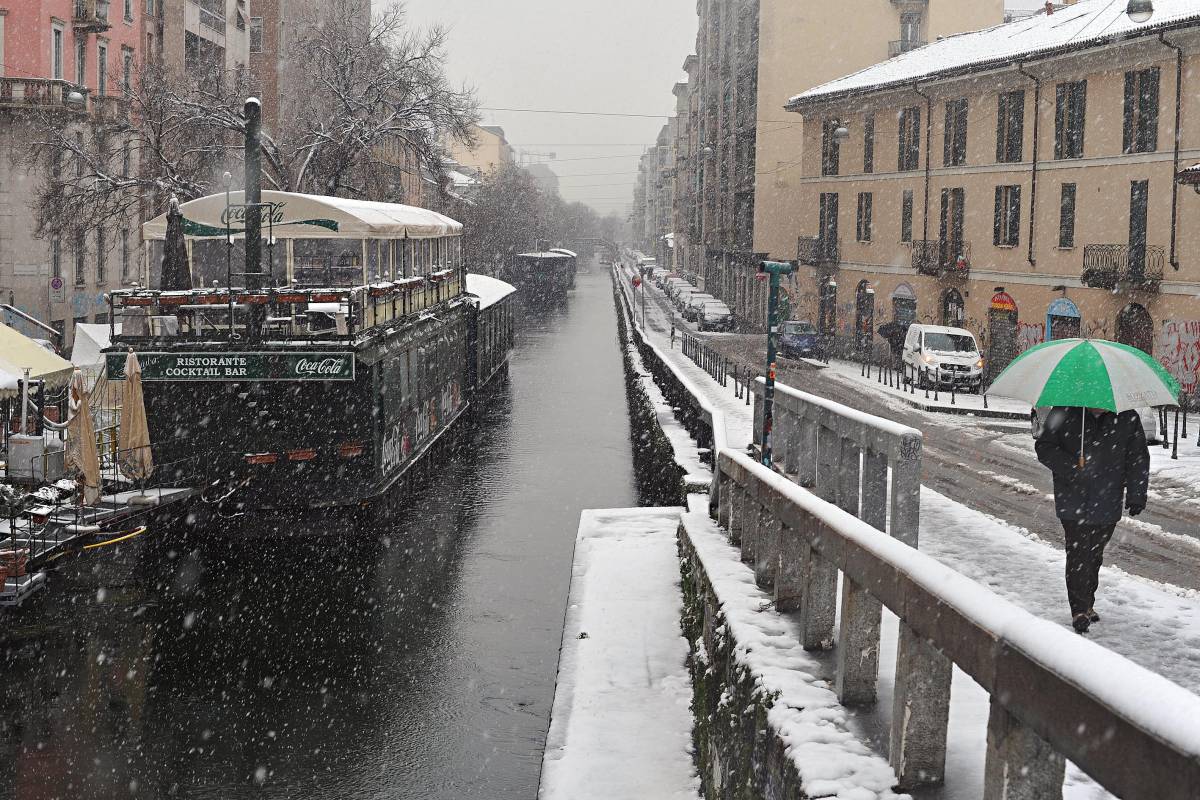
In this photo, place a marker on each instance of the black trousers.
(1085, 554)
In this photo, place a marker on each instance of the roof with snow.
(1089, 23)
(489, 290)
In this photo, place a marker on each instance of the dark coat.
(1116, 466)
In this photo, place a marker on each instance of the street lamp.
(775, 270)
(841, 133)
(1139, 11)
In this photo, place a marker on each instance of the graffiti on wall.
(1030, 334)
(1096, 329)
(1179, 351)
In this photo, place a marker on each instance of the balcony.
(942, 258)
(1107, 266)
(910, 2)
(815, 251)
(33, 93)
(90, 16)
(212, 14)
(903, 46)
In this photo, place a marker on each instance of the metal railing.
(90, 15)
(212, 14)
(1053, 695)
(1107, 265)
(943, 258)
(818, 252)
(899, 46)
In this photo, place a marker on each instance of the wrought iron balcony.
(90, 16)
(816, 251)
(1105, 266)
(910, 2)
(903, 46)
(942, 258)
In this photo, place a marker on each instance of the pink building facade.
(92, 43)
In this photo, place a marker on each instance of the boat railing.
(314, 315)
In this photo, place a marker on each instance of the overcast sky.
(569, 55)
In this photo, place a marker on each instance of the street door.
(828, 223)
(864, 316)
(954, 310)
(1139, 194)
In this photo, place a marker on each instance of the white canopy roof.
(1088, 23)
(18, 352)
(90, 340)
(310, 216)
(564, 251)
(489, 290)
(550, 254)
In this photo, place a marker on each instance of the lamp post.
(774, 270)
(1139, 11)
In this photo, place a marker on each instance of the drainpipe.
(1033, 175)
(928, 150)
(1175, 170)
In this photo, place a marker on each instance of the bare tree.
(371, 89)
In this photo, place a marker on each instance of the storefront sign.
(237, 366)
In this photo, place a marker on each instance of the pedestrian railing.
(846, 457)
(1054, 695)
(720, 367)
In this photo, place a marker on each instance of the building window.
(127, 70)
(256, 32)
(55, 258)
(828, 220)
(1006, 221)
(124, 255)
(910, 29)
(80, 277)
(1141, 111)
(865, 202)
(150, 7)
(1010, 127)
(869, 143)
(81, 62)
(149, 46)
(910, 139)
(101, 257)
(906, 215)
(129, 10)
(954, 214)
(954, 146)
(126, 159)
(102, 69)
(830, 148)
(1070, 112)
(56, 52)
(1066, 216)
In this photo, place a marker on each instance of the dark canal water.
(415, 661)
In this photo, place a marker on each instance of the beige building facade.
(1025, 195)
(490, 153)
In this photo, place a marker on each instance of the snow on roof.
(310, 216)
(550, 254)
(1089, 23)
(564, 251)
(489, 290)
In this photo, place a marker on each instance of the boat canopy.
(18, 352)
(564, 251)
(489, 290)
(308, 216)
(550, 254)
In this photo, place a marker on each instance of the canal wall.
(664, 468)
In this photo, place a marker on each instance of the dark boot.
(1081, 623)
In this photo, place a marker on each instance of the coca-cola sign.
(237, 366)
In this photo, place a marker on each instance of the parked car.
(677, 285)
(799, 339)
(942, 356)
(693, 304)
(1037, 419)
(715, 316)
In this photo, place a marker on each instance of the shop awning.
(18, 352)
(309, 216)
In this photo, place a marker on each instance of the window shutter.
(869, 143)
(997, 216)
(870, 198)
(959, 212)
(1127, 128)
(1016, 128)
(902, 141)
(1014, 215)
(1060, 120)
(1148, 115)
(948, 135)
(943, 227)
(960, 133)
(1001, 127)
(1079, 117)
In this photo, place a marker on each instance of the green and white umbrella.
(1090, 373)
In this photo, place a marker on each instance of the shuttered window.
(1006, 222)
(1066, 216)
(906, 215)
(909, 157)
(869, 144)
(830, 149)
(1010, 126)
(954, 146)
(1070, 113)
(1141, 111)
(865, 203)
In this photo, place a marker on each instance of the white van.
(941, 356)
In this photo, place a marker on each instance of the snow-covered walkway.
(622, 721)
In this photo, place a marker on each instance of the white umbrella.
(81, 441)
(135, 458)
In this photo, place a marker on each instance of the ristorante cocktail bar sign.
(237, 366)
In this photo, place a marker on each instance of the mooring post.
(920, 711)
(1020, 765)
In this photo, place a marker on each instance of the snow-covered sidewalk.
(621, 724)
(942, 401)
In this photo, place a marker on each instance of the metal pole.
(252, 200)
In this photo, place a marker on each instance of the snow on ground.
(831, 758)
(621, 727)
(851, 372)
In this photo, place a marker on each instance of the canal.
(411, 655)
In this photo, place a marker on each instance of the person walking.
(1099, 459)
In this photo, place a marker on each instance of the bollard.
(925, 381)
(953, 390)
(1175, 438)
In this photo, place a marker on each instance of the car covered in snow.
(715, 316)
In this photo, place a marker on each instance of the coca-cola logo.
(236, 215)
(321, 366)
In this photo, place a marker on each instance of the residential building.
(205, 39)
(1022, 185)
(685, 222)
(545, 177)
(490, 153)
(744, 150)
(70, 59)
(654, 203)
